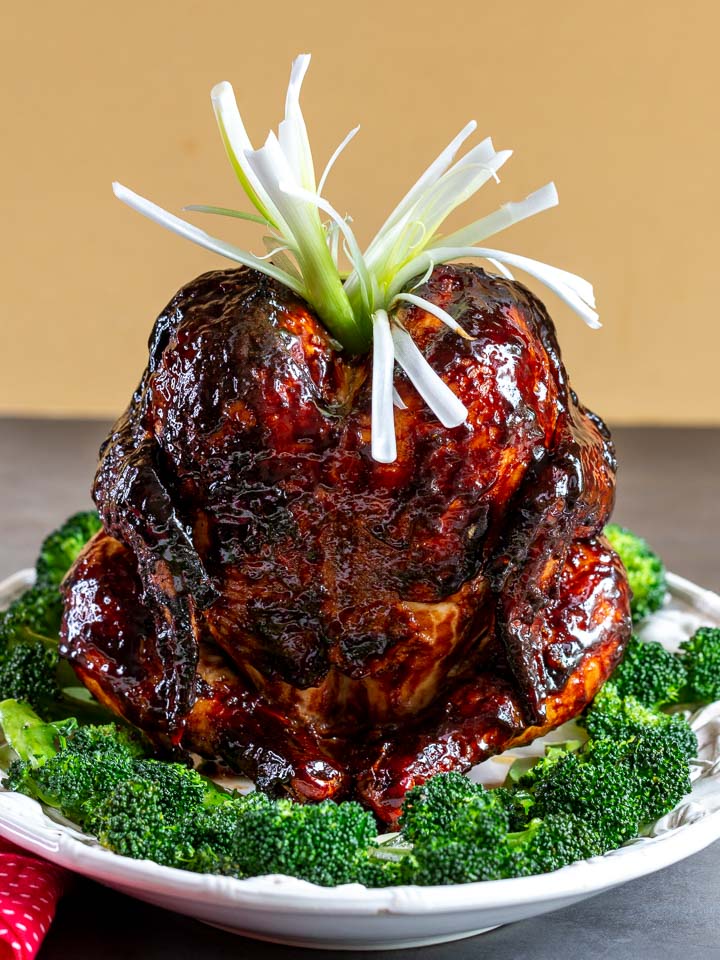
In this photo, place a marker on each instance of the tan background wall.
(617, 101)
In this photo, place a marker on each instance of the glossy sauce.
(436, 608)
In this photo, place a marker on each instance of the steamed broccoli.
(29, 631)
(99, 777)
(180, 788)
(132, 820)
(659, 762)
(30, 668)
(645, 570)
(556, 841)
(33, 618)
(577, 802)
(462, 832)
(594, 785)
(611, 716)
(650, 673)
(28, 672)
(77, 767)
(459, 832)
(614, 786)
(214, 830)
(61, 548)
(430, 807)
(97, 740)
(324, 843)
(701, 658)
(170, 814)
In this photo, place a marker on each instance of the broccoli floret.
(29, 665)
(458, 831)
(214, 830)
(78, 768)
(97, 773)
(701, 657)
(180, 788)
(463, 832)
(61, 548)
(611, 716)
(136, 820)
(645, 570)
(430, 807)
(374, 873)
(33, 618)
(216, 822)
(133, 821)
(323, 843)
(29, 632)
(98, 739)
(595, 785)
(73, 783)
(651, 674)
(28, 672)
(479, 854)
(615, 786)
(660, 765)
(552, 843)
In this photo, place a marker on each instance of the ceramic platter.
(351, 917)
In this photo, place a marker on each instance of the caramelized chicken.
(265, 593)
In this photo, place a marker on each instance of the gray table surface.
(667, 489)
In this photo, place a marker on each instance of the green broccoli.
(28, 672)
(323, 843)
(97, 740)
(701, 658)
(33, 618)
(132, 821)
(180, 788)
(473, 840)
(470, 846)
(659, 762)
(78, 767)
(596, 785)
(139, 819)
(61, 548)
(214, 829)
(29, 631)
(429, 808)
(31, 738)
(556, 841)
(458, 830)
(650, 673)
(645, 570)
(611, 716)
(374, 872)
(30, 668)
(615, 786)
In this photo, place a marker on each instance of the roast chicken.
(265, 594)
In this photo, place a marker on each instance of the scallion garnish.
(360, 309)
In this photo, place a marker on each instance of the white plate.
(351, 917)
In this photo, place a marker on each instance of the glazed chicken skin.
(265, 593)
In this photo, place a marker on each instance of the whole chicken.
(267, 594)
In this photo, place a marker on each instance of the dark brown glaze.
(583, 630)
(110, 640)
(350, 599)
